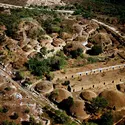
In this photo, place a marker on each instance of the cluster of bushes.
(76, 53)
(52, 24)
(59, 117)
(106, 7)
(3, 109)
(11, 21)
(42, 67)
(31, 121)
(112, 1)
(6, 122)
(14, 116)
(105, 119)
(96, 50)
(73, 53)
(86, 13)
(97, 106)
(92, 60)
(100, 105)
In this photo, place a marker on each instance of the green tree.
(106, 119)
(55, 28)
(43, 51)
(6, 122)
(3, 109)
(96, 50)
(98, 104)
(92, 60)
(37, 67)
(27, 110)
(57, 63)
(76, 53)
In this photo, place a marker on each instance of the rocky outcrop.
(115, 99)
(44, 87)
(58, 95)
(78, 110)
(88, 95)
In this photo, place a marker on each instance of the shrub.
(3, 109)
(49, 76)
(76, 53)
(7, 88)
(57, 63)
(27, 111)
(98, 104)
(106, 119)
(19, 75)
(6, 122)
(96, 50)
(43, 51)
(44, 66)
(92, 60)
(55, 28)
(14, 116)
(37, 67)
(73, 53)
(66, 83)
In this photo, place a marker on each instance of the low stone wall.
(93, 71)
(102, 84)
